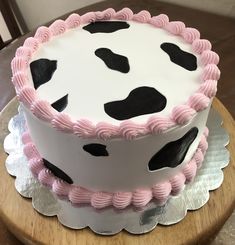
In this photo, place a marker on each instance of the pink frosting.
(177, 183)
(200, 45)
(46, 177)
(124, 14)
(211, 71)
(26, 138)
(143, 16)
(79, 195)
(198, 157)
(61, 188)
(99, 15)
(25, 53)
(108, 14)
(206, 132)
(190, 34)
(130, 130)
(43, 34)
(63, 122)
(106, 131)
(43, 110)
(31, 43)
(208, 88)
(209, 57)
(88, 17)
(190, 170)
(58, 27)
(159, 21)
(73, 21)
(159, 124)
(161, 192)
(120, 200)
(36, 165)
(20, 80)
(27, 96)
(141, 197)
(30, 151)
(18, 64)
(203, 145)
(175, 27)
(199, 101)
(101, 199)
(84, 128)
(182, 114)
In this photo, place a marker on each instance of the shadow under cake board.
(32, 228)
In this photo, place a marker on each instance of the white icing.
(126, 167)
(90, 84)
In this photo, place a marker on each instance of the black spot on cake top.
(96, 150)
(106, 26)
(61, 103)
(42, 71)
(180, 57)
(113, 61)
(173, 153)
(140, 101)
(57, 172)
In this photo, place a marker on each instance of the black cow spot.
(173, 153)
(42, 71)
(140, 101)
(57, 172)
(113, 61)
(61, 103)
(180, 57)
(96, 150)
(106, 26)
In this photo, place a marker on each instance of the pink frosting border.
(181, 114)
(120, 200)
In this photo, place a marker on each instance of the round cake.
(116, 105)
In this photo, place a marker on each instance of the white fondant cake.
(116, 105)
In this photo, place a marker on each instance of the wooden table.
(218, 29)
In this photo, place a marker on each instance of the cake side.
(139, 197)
(120, 165)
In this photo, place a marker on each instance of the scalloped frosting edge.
(128, 129)
(139, 198)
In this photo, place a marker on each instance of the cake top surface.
(114, 69)
(90, 83)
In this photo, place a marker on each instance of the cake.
(116, 105)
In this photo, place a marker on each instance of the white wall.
(37, 12)
(5, 34)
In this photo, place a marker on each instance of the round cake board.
(198, 227)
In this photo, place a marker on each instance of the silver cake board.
(109, 221)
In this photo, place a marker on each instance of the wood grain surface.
(33, 228)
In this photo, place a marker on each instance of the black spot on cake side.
(140, 101)
(113, 61)
(106, 26)
(96, 150)
(57, 172)
(173, 153)
(42, 71)
(61, 103)
(180, 57)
